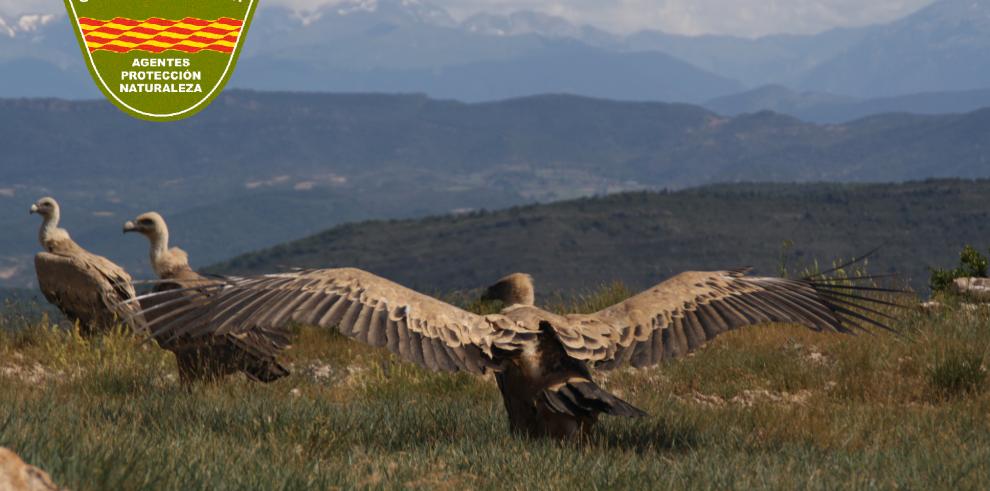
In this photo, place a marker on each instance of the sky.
(749, 18)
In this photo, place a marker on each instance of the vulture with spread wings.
(541, 360)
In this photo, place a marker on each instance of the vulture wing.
(253, 350)
(362, 306)
(681, 314)
(84, 286)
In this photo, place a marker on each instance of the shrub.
(972, 264)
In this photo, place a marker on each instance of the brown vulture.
(252, 351)
(87, 288)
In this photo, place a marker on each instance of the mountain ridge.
(255, 169)
(641, 238)
(823, 107)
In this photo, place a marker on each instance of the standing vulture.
(210, 358)
(541, 359)
(87, 288)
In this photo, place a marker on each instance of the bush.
(972, 264)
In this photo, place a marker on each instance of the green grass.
(767, 407)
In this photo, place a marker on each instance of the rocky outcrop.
(973, 288)
(16, 475)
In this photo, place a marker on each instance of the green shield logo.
(161, 60)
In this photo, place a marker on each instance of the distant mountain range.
(642, 238)
(941, 48)
(823, 107)
(257, 169)
(412, 46)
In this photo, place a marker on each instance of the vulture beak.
(130, 227)
(33, 210)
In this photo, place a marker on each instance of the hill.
(821, 107)
(558, 67)
(258, 169)
(640, 238)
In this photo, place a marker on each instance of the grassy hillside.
(770, 407)
(640, 238)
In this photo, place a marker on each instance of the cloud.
(736, 17)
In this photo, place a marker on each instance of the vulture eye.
(146, 221)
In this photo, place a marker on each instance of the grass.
(767, 407)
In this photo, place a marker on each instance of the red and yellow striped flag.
(156, 35)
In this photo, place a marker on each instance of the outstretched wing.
(254, 349)
(681, 314)
(362, 306)
(84, 288)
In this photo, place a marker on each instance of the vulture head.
(150, 224)
(46, 207)
(515, 289)
(166, 262)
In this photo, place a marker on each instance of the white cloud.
(737, 17)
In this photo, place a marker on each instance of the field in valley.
(767, 407)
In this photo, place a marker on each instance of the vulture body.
(87, 288)
(541, 360)
(540, 388)
(209, 358)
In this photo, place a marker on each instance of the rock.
(750, 398)
(707, 400)
(15, 475)
(974, 288)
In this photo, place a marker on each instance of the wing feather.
(86, 287)
(366, 308)
(176, 308)
(683, 313)
(374, 333)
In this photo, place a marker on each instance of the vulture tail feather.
(584, 397)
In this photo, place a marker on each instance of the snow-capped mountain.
(416, 46)
(414, 11)
(413, 46)
(945, 46)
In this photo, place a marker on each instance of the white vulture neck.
(159, 247)
(49, 227)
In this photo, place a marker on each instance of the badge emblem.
(161, 60)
